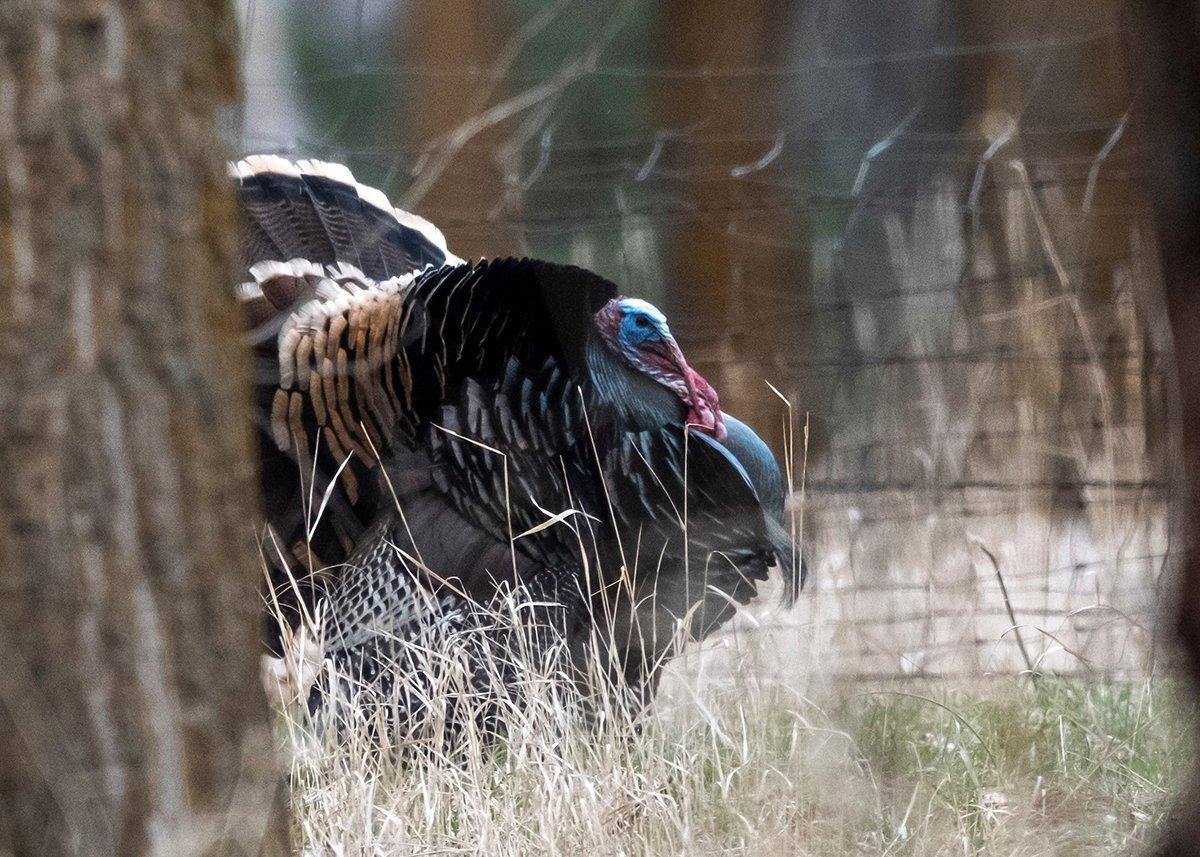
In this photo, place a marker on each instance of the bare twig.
(1007, 604)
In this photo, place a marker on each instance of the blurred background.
(918, 220)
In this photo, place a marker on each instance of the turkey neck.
(635, 400)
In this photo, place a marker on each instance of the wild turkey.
(433, 431)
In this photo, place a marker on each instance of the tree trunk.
(1164, 51)
(732, 255)
(130, 716)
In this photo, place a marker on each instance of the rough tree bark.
(130, 720)
(1164, 53)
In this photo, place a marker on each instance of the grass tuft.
(996, 766)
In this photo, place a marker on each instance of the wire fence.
(923, 222)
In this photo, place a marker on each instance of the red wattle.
(705, 409)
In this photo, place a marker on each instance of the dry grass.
(757, 743)
(1000, 766)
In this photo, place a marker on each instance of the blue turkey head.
(637, 332)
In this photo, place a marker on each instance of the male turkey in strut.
(434, 432)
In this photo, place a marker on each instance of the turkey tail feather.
(317, 211)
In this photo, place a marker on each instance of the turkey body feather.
(470, 427)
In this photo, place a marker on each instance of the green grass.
(1080, 765)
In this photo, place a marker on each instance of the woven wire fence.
(921, 222)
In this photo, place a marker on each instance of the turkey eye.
(642, 321)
